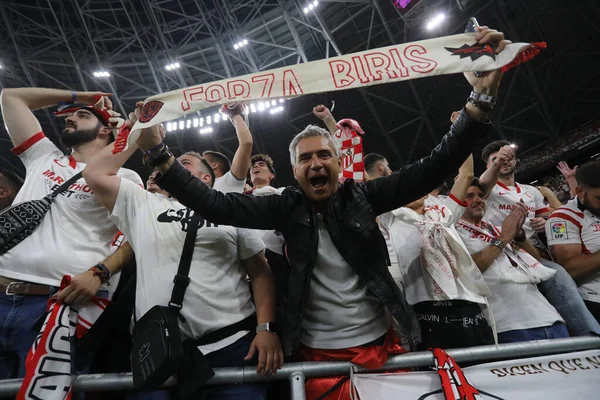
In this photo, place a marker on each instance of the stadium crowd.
(256, 275)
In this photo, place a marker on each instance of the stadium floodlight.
(435, 21)
(206, 130)
(267, 104)
(217, 117)
(240, 44)
(305, 10)
(181, 125)
(281, 100)
(315, 3)
(101, 74)
(252, 108)
(208, 120)
(261, 106)
(188, 123)
(201, 122)
(195, 122)
(276, 110)
(310, 6)
(172, 66)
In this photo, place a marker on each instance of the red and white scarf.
(521, 266)
(48, 364)
(444, 259)
(431, 57)
(351, 149)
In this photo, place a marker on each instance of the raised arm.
(569, 174)
(101, 172)
(488, 179)
(325, 115)
(466, 172)
(549, 195)
(415, 180)
(18, 103)
(241, 158)
(235, 209)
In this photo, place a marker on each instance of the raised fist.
(322, 112)
(233, 109)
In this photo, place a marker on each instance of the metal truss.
(60, 43)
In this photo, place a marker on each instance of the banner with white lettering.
(438, 56)
(557, 377)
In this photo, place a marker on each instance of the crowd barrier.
(298, 372)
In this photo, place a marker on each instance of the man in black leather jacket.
(336, 251)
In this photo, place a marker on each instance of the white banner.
(438, 56)
(563, 376)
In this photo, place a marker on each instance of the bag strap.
(181, 280)
(65, 185)
(247, 324)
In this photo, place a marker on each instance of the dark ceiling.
(60, 43)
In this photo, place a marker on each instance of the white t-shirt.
(406, 240)
(515, 306)
(339, 312)
(384, 221)
(218, 294)
(503, 199)
(229, 184)
(573, 224)
(75, 234)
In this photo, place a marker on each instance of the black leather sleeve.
(416, 180)
(235, 209)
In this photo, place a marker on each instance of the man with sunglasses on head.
(75, 234)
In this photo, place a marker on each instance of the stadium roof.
(61, 43)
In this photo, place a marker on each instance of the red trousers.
(367, 357)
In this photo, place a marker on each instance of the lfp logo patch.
(559, 230)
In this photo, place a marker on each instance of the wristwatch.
(483, 101)
(267, 326)
(498, 243)
(156, 156)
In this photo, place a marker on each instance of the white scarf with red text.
(443, 257)
(521, 268)
(431, 57)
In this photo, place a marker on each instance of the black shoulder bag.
(19, 221)
(156, 352)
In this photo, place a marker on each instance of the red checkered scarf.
(351, 149)
(48, 364)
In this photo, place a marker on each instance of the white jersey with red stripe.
(503, 199)
(75, 234)
(574, 224)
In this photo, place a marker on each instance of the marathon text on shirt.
(510, 207)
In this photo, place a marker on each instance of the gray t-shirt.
(339, 312)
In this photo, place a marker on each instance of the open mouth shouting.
(319, 182)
